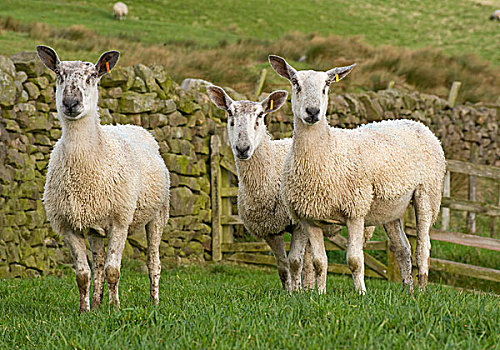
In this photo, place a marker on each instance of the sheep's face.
(76, 86)
(245, 123)
(309, 88)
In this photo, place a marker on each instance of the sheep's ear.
(219, 97)
(274, 101)
(48, 57)
(339, 73)
(281, 66)
(107, 60)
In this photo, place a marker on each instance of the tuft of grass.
(224, 306)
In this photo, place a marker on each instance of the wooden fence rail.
(224, 223)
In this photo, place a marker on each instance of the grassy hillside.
(229, 307)
(227, 42)
(456, 26)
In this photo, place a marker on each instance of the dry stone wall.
(182, 124)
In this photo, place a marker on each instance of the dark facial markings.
(295, 83)
(327, 84)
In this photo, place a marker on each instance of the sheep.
(120, 10)
(107, 180)
(495, 15)
(259, 162)
(365, 176)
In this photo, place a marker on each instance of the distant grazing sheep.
(120, 10)
(109, 180)
(495, 15)
(365, 176)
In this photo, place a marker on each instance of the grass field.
(232, 307)
(410, 42)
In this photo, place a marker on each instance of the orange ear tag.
(337, 78)
(109, 71)
(271, 104)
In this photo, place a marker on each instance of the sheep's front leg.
(318, 254)
(98, 260)
(278, 247)
(296, 255)
(153, 233)
(76, 244)
(116, 244)
(354, 254)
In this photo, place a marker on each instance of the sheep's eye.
(229, 113)
(296, 84)
(231, 123)
(261, 114)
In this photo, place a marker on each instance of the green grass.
(233, 307)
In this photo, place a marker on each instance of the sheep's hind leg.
(116, 244)
(354, 253)
(296, 255)
(401, 248)
(308, 274)
(278, 247)
(423, 214)
(98, 260)
(76, 244)
(318, 253)
(154, 232)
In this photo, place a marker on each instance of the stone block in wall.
(186, 105)
(115, 92)
(147, 75)
(132, 102)
(41, 82)
(109, 103)
(47, 95)
(38, 122)
(42, 107)
(201, 145)
(162, 78)
(119, 76)
(183, 201)
(180, 146)
(176, 119)
(157, 120)
(8, 91)
(373, 110)
(32, 90)
(183, 165)
(28, 62)
(139, 85)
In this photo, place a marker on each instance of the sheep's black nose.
(312, 112)
(242, 151)
(70, 103)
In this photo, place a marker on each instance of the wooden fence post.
(471, 217)
(226, 208)
(452, 97)
(445, 212)
(215, 192)
(393, 274)
(493, 220)
(260, 83)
